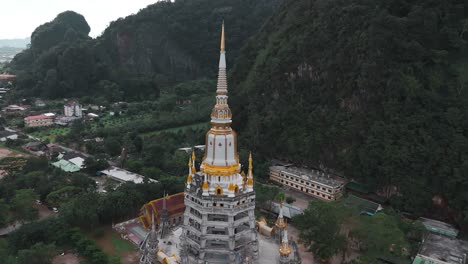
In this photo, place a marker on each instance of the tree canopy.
(138, 56)
(375, 90)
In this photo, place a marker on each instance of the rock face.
(352, 85)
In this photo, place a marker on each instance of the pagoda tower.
(149, 247)
(280, 224)
(219, 219)
(164, 222)
(285, 249)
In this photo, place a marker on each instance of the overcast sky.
(19, 18)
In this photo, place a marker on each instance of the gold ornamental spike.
(222, 37)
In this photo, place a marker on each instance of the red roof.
(38, 117)
(174, 204)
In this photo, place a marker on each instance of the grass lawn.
(202, 125)
(121, 245)
(115, 121)
(50, 133)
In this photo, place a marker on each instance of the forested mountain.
(374, 89)
(137, 56)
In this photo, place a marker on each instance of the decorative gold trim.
(220, 170)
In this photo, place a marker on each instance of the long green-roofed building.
(66, 166)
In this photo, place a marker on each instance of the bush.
(290, 200)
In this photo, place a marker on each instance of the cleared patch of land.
(113, 245)
(7, 153)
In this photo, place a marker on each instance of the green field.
(50, 133)
(116, 121)
(121, 245)
(202, 125)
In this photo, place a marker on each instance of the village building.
(70, 162)
(8, 135)
(438, 227)
(72, 109)
(286, 210)
(311, 182)
(39, 120)
(14, 108)
(121, 175)
(362, 206)
(39, 103)
(439, 249)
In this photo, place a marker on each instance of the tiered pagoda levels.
(219, 220)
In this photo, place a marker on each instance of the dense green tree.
(132, 60)
(112, 146)
(4, 212)
(82, 210)
(378, 95)
(93, 165)
(37, 254)
(62, 195)
(264, 195)
(22, 204)
(320, 228)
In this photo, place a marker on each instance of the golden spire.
(222, 37)
(193, 159)
(249, 173)
(280, 222)
(189, 177)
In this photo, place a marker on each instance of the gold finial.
(250, 162)
(194, 170)
(222, 37)
(189, 178)
(190, 162)
(250, 182)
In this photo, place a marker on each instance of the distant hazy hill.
(137, 56)
(15, 43)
